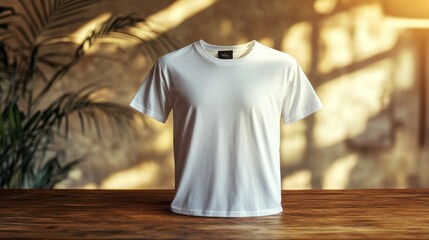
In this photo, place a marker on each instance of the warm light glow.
(75, 174)
(341, 48)
(371, 34)
(268, 41)
(350, 101)
(80, 34)
(297, 180)
(161, 21)
(178, 12)
(113, 43)
(141, 176)
(296, 42)
(293, 142)
(338, 173)
(404, 76)
(89, 186)
(163, 140)
(226, 27)
(103, 94)
(406, 22)
(337, 43)
(324, 6)
(365, 63)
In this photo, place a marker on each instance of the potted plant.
(29, 56)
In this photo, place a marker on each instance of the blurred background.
(367, 60)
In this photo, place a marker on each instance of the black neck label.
(227, 54)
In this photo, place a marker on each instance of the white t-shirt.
(226, 129)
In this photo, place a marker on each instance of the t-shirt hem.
(303, 114)
(201, 213)
(148, 112)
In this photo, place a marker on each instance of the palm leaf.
(28, 45)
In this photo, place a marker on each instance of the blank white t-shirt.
(226, 125)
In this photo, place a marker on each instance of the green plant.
(30, 55)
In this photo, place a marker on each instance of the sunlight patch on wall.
(158, 23)
(352, 36)
(337, 50)
(89, 186)
(400, 23)
(107, 45)
(405, 75)
(163, 140)
(80, 34)
(324, 6)
(370, 38)
(293, 142)
(177, 12)
(138, 121)
(350, 101)
(298, 180)
(226, 27)
(268, 41)
(75, 174)
(338, 173)
(138, 177)
(296, 42)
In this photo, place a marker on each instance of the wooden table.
(145, 214)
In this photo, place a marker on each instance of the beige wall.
(362, 63)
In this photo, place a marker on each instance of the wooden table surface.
(145, 214)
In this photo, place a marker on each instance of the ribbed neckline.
(202, 45)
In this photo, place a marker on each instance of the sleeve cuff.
(301, 115)
(150, 113)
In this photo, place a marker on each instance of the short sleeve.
(299, 99)
(152, 97)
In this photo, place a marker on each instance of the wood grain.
(145, 214)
